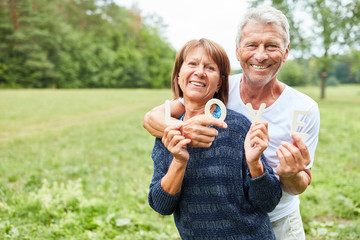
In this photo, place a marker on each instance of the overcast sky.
(194, 19)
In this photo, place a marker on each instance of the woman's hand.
(256, 141)
(176, 143)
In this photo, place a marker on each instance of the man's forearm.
(154, 123)
(154, 120)
(297, 183)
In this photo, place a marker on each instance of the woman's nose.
(200, 72)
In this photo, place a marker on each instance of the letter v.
(254, 118)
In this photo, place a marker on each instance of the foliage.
(342, 69)
(80, 44)
(335, 28)
(330, 206)
(293, 73)
(75, 164)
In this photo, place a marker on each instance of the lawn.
(75, 164)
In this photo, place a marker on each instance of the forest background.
(99, 44)
(76, 163)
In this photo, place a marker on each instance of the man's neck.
(260, 93)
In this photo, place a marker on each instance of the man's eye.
(251, 46)
(272, 46)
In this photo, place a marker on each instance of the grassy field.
(75, 164)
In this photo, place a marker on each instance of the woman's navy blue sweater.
(218, 198)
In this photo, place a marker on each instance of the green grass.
(75, 164)
(330, 207)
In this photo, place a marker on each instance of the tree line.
(81, 44)
(342, 69)
(99, 44)
(322, 29)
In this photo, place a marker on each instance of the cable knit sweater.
(218, 198)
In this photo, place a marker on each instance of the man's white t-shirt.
(279, 117)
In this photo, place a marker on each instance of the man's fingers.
(298, 154)
(211, 121)
(286, 152)
(300, 144)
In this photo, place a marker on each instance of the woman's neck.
(194, 109)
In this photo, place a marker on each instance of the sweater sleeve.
(159, 200)
(265, 191)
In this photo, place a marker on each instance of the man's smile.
(260, 67)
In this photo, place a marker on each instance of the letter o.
(220, 104)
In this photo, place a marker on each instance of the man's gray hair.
(264, 15)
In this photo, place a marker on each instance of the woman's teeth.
(198, 84)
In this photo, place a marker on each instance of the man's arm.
(298, 183)
(294, 158)
(154, 120)
(196, 128)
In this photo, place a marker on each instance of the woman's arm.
(264, 188)
(265, 191)
(165, 188)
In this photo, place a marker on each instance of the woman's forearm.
(172, 181)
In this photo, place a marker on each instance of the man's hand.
(293, 159)
(196, 129)
(256, 141)
(154, 120)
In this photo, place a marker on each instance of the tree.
(80, 44)
(335, 28)
(294, 73)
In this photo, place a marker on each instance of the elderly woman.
(221, 192)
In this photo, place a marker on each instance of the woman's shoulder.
(234, 117)
(159, 150)
(237, 121)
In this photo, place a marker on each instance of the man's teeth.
(260, 67)
(198, 84)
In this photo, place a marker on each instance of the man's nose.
(261, 54)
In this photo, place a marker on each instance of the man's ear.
(286, 53)
(237, 53)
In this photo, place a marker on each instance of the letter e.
(296, 123)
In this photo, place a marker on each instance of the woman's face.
(199, 76)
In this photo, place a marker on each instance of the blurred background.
(77, 77)
(132, 43)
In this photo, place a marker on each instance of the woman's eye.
(211, 68)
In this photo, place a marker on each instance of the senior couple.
(234, 179)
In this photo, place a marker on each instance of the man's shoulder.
(299, 97)
(234, 82)
(235, 77)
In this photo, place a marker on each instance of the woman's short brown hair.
(218, 55)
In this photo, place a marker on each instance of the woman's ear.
(219, 83)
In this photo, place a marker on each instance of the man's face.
(261, 52)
